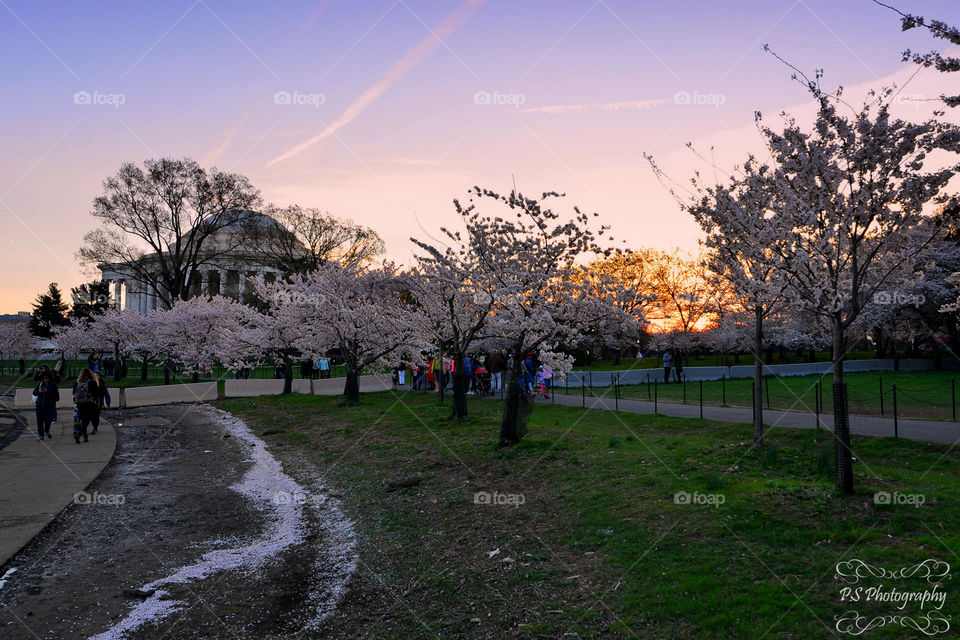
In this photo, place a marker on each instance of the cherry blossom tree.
(362, 312)
(118, 331)
(741, 228)
(199, 331)
(851, 197)
(454, 304)
(16, 340)
(525, 261)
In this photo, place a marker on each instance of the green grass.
(714, 360)
(921, 394)
(599, 547)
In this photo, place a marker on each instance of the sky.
(384, 111)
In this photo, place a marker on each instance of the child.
(540, 383)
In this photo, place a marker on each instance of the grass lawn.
(922, 394)
(653, 361)
(599, 547)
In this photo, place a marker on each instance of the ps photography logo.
(897, 498)
(514, 100)
(910, 598)
(114, 100)
(499, 499)
(699, 99)
(710, 499)
(296, 98)
(96, 498)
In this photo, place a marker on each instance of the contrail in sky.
(410, 59)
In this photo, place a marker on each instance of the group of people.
(672, 362)
(483, 374)
(311, 369)
(90, 396)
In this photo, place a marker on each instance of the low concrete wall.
(253, 388)
(368, 384)
(170, 394)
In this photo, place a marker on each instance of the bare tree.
(307, 238)
(156, 222)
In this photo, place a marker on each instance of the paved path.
(924, 430)
(39, 479)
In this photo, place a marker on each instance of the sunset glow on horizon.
(384, 112)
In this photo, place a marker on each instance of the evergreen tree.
(49, 311)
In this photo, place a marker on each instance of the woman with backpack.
(47, 395)
(86, 394)
(103, 399)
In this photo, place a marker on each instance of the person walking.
(495, 365)
(401, 372)
(47, 394)
(678, 366)
(547, 380)
(103, 399)
(667, 364)
(85, 397)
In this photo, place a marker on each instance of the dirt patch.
(171, 504)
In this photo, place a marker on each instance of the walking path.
(923, 430)
(39, 479)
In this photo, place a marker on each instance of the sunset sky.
(384, 111)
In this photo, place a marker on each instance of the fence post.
(684, 388)
(953, 397)
(723, 390)
(766, 382)
(654, 396)
(616, 391)
(896, 426)
(753, 399)
(648, 387)
(881, 394)
(583, 393)
(701, 399)
(816, 401)
(591, 384)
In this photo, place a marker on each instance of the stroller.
(483, 382)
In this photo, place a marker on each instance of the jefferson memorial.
(229, 268)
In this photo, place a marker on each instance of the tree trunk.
(288, 375)
(351, 388)
(116, 362)
(758, 378)
(513, 426)
(459, 388)
(143, 370)
(841, 422)
(196, 376)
